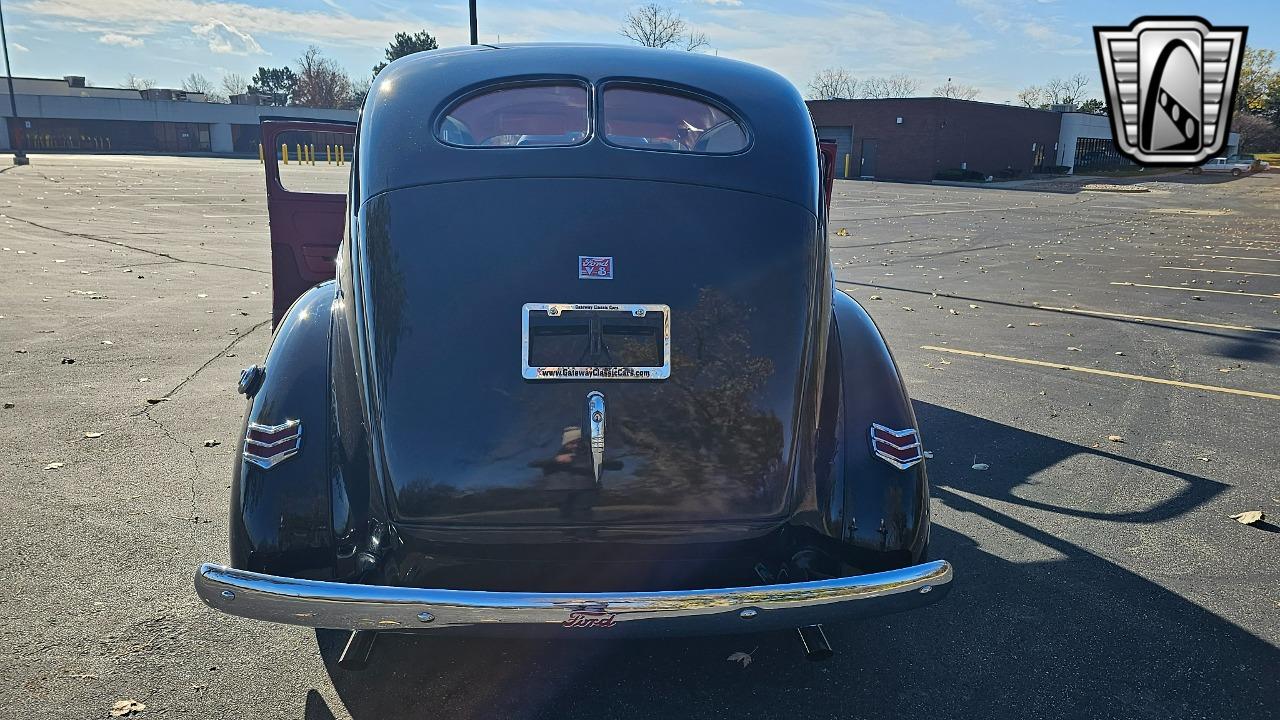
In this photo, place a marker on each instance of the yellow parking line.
(1221, 326)
(1275, 296)
(1229, 272)
(1239, 257)
(1107, 373)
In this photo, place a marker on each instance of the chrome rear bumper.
(346, 606)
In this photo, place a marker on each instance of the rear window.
(519, 116)
(656, 120)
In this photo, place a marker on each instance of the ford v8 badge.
(595, 268)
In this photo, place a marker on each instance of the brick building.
(915, 138)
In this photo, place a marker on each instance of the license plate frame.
(533, 372)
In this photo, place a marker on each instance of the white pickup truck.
(1233, 165)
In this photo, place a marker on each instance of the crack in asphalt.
(195, 461)
(207, 363)
(117, 243)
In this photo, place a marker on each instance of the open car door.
(308, 173)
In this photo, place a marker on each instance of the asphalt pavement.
(1094, 372)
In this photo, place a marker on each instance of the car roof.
(398, 146)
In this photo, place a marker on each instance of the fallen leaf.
(1033, 324)
(8, 405)
(742, 657)
(842, 232)
(1072, 347)
(904, 307)
(981, 466)
(53, 465)
(156, 401)
(68, 361)
(876, 297)
(928, 454)
(212, 443)
(953, 311)
(202, 295)
(1009, 325)
(1250, 517)
(1116, 438)
(972, 306)
(92, 435)
(124, 708)
(1119, 352)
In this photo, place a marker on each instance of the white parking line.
(1238, 257)
(1273, 296)
(1229, 272)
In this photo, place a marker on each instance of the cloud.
(226, 39)
(112, 38)
(725, 3)
(1049, 38)
(19, 47)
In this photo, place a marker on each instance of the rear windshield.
(656, 120)
(519, 116)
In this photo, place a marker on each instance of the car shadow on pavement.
(1058, 632)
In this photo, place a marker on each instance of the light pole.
(19, 157)
(475, 31)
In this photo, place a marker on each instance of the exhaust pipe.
(814, 641)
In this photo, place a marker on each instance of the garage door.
(843, 137)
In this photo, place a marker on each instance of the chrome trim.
(595, 373)
(266, 463)
(595, 421)
(889, 457)
(342, 606)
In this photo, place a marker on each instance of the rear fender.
(885, 510)
(280, 516)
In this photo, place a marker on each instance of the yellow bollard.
(262, 159)
(284, 152)
(328, 154)
(342, 155)
(311, 150)
(298, 147)
(846, 166)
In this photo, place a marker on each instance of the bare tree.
(197, 83)
(893, 86)
(655, 26)
(133, 82)
(321, 82)
(833, 84)
(956, 90)
(1031, 96)
(234, 84)
(1067, 91)
(359, 91)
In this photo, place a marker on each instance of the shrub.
(956, 174)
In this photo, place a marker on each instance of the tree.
(1067, 91)
(1031, 96)
(833, 84)
(234, 84)
(1093, 106)
(321, 82)
(1258, 77)
(197, 83)
(134, 82)
(655, 26)
(359, 91)
(280, 83)
(1256, 134)
(956, 90)
(406, 44)
(893, 86)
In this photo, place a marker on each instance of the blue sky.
(998, 46)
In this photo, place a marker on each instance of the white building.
(1084, 143)
(67, 114)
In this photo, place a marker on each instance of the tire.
(1235, 172)
(1196, 171)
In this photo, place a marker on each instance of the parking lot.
(1095, 373)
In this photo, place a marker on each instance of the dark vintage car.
(578, 368)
